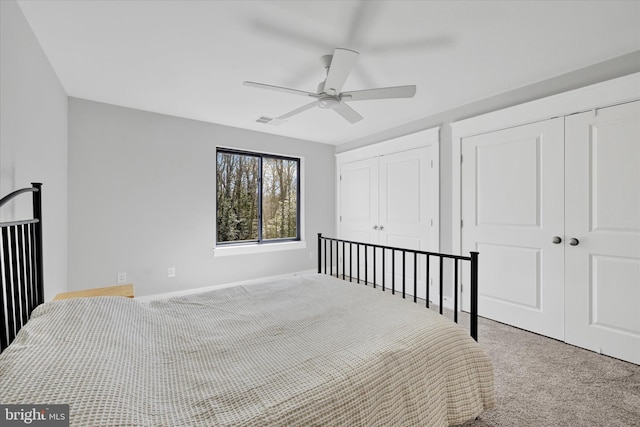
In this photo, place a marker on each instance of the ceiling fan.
(329, 93)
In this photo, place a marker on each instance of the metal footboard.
(368, 263)
(21, 267)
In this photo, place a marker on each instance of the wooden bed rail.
(21, 267)
(328, 259)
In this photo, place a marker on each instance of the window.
(257, 197)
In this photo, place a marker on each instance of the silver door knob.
(574, 242)
(375, 227)
(381, 228)
(556, 240)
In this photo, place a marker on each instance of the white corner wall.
(33, 138)
(142, 199)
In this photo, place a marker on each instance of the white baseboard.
(434, 297)
(154, 297)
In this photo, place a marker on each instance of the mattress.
(309, 350)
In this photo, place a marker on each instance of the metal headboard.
(21, 267)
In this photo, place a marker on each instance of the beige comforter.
(310, 350)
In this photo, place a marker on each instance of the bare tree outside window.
(257, 197)
(279, 198)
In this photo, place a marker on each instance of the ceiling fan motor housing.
(328, 101)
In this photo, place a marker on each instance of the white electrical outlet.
(122, 278)
(172, 272)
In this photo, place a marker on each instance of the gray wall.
(142, 199)
(617, 67)
(33, 138)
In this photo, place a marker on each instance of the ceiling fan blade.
(341, 65)
(413, 45)
(380, 93)
(298, 110)
(348, 113)
(291, 36)
(281, 89)
(362, 19)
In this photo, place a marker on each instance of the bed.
(305, 350)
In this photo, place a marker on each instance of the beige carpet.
(543, 382)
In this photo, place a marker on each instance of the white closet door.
(603, 213)
(512, 207)
(406, 217)
(359, 201)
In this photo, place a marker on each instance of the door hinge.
(340, 218)
(461, 223)
(340, 177)
(431, 164)
(460, 159)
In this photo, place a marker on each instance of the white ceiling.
(189, 58)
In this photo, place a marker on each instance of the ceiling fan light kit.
(329, 95)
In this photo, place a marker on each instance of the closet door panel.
(406, 187)
(359, 201)
(512, 207)
(603, 214)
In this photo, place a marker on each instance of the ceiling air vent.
(270, 121)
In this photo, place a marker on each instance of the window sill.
(257, 248)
